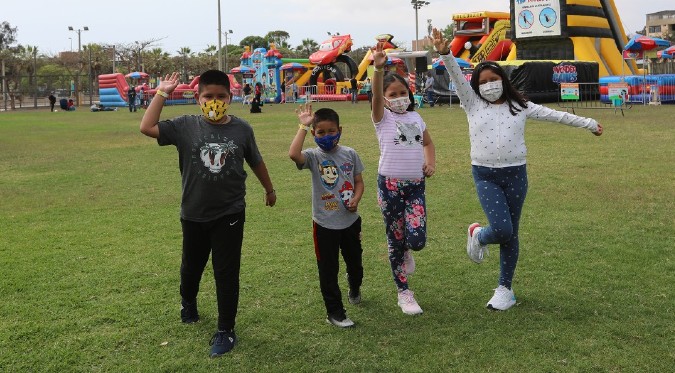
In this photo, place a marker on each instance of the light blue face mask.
(328, 142)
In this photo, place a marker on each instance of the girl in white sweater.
(497, 112)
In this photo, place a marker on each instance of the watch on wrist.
(303, 127)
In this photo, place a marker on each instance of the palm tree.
(185, 52)
(157, 61)
(307, 47)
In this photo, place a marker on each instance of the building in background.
(661, 24)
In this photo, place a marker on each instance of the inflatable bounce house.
(545, 43)
(324, 76)
(113, 91)
(327, 79)
(262, 66)
(482, 36)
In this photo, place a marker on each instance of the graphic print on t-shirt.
(214, 154)
(408, 134)
(347, 168)
(329, 173)
(346, 193)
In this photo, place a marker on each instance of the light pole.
(228, 32)
(79, 55)
(220, 56)
(79, 40)
(417, 4)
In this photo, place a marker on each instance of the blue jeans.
(501, 192)
(430, 97)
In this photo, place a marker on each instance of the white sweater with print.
(498, 137)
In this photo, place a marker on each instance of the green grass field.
(90, 248)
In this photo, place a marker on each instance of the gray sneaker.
(354, 296)
(474, 249)
(341, 321)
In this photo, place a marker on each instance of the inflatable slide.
(483, 31)
(586, 30)
(112, 89)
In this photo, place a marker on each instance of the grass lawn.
(90, 247)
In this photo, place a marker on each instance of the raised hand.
(305, 114)
(169, 83)
(379, 56)
(440, 43)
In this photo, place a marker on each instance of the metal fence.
(33, 92)
(589, 96)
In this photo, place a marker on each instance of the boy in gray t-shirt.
(337, 187)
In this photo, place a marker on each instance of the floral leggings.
(405, 220)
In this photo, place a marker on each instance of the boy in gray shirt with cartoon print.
(337, 188)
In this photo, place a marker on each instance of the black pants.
(327, 245)
(223, 238)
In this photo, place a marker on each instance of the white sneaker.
(408, 262)
(474, 249)
(407, 302)
(502, 300)
(341, 321)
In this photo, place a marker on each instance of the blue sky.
(194, 24)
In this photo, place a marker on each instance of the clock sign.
(525, 19)
(548, 17)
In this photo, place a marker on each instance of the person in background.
(368, 87)
(429, 89)
(52, 101)
(71, 105)
(294, 88)
(246, 99)
(353, 89)
(131, 96)
(99, 107)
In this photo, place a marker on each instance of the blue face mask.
(328, 142)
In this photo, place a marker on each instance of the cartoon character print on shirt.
(329, 173)
(346, 193)
(347, 168)
(214, 155)
(408, 134)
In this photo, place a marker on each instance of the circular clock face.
(525, 19)
(548, 17)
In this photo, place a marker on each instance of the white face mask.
(491, 91)
(398, 105)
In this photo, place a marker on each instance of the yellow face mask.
(214, 110)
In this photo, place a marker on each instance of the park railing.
(33, 91)
(574, 96)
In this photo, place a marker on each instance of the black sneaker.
(188, 312)
(341, 321)
(222, 343)
(354, 296)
